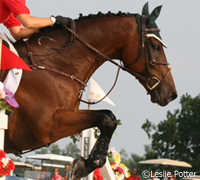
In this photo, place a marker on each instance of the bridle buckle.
(153, 86)
(152, 62)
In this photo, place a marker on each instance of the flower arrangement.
(7, 98)
(119, 169)
(97, 175)
(6, 165)
(76, 137)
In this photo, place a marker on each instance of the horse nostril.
(173, 95)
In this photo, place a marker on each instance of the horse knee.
(107, 125)
(109, 121)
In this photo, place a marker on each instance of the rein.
(35, 66)
(148, 59)
(109, 59)
(73, 26)
(145, 47)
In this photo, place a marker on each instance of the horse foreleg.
(106, 122)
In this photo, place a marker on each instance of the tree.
(43, 150)
(15, 159)
(135, 158)
(149, 152)
(178, 136)
(71, 150)
(123, 154)
(129, 162)
(52, 149)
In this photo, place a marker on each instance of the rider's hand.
(61, 20)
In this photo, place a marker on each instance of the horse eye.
(156, 47)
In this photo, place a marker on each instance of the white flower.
(113, 150)
(118, 177)
(1, 86)
(125, 172)
(5, 162)
(2, 93)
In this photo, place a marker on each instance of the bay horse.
(49, 96)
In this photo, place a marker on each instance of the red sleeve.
(12, 21)
(17, 7)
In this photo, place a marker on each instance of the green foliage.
(54, 149)
(43, 150)
(71, 150)
(128, 161)
(4, 105)
(15, 159)
(123, 154)
(149, 152)
(111, 160)
(178, 136)
(119, 122)
(131, 162)
(148, 127)
(75, 137)
(97, 132)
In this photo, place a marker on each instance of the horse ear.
(154, 15)
(145, 9)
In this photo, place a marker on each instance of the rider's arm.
(18, 32)
(18, 9)
(32, 22)
(20, 14)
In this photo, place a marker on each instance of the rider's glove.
(60, 20)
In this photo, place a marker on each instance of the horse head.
(148, 63)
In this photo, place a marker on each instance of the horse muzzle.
(163, 99)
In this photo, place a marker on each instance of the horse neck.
(108, 35)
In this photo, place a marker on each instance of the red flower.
(11, 165)
(97, 175)
(1, 171)
(114, 163)
(5, 170)
(1, 165)
(119, 169)
(2, 154)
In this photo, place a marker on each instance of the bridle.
(149, 61)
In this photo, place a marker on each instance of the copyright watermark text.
(162, 174)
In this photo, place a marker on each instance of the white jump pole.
(88, 140)
(3, 119)
(3, 127)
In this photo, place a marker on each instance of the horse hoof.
(79, 168)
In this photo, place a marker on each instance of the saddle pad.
(14, 75)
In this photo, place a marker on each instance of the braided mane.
(100, 14)
(89, 17)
